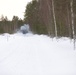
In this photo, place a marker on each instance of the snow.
(33, 54)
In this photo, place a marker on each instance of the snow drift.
(36, 55)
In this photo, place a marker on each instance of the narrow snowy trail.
(36, 55)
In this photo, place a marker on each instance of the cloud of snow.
(24, 29)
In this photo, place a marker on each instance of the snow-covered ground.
(33, 54)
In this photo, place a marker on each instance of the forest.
(55, 18)
(7, 26)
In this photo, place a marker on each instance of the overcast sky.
(13, 7)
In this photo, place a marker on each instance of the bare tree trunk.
(72, 21)
(49, 18)
(54, 18)
(68, 19)
(72, 18)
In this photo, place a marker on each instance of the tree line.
(52, 17)
(7, 26)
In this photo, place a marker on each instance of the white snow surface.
(33, 54)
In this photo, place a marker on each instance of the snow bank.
(36, 55)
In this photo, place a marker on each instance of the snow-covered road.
(36, 55)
